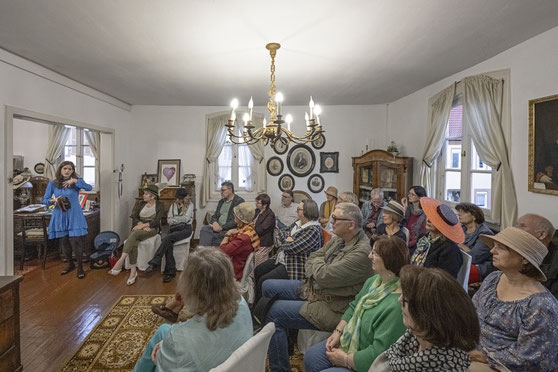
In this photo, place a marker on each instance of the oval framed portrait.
(39, 168)
(275, 166)
(301, 160)
(318, 141)
(280, 146)
(286, 182)
(316, 183)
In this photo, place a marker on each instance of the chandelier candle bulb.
(234, 105)
(307, 120)
(318, 111)
(311, 105)
(264, 123)
(250, 107)
(245, 118)
(279, 100)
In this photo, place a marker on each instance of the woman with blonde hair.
(220, 320)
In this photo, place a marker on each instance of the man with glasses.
(223, 218)
(335, 273)
(286, 212)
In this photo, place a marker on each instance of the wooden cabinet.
(380, 169)
(10, 355)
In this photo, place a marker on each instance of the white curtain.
(259, 174)
(57, 138)
(94, 139)
(482, 110)
(215, 139)
(438, 120)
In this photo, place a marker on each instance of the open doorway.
(31, 160)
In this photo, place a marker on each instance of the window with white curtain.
(235, 164)
(78, 151)
(462, 176)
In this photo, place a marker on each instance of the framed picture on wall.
(316, 183)
(148, 179)
(275, 166)
(543, 145)
(168, 171)
(286, 182)
(329, 162)
(301, 160)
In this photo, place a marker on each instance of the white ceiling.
(204, 52)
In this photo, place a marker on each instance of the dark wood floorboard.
(58, 312)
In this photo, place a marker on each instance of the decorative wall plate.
(39, 168)
(280, 146)
(329, 162)
(301, 160)
(316, 183)
(319, 141)
(275, 166)
(286, 182)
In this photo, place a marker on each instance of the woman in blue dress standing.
(67, 223)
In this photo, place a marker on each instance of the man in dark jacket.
(223, 218)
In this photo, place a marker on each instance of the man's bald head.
(538, 226)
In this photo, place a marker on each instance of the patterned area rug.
(118, 341)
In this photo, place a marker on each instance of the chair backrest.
(299, 195)
(251, 356)
(248, 267)
(34, 222)
(463, 274)
(326, 236)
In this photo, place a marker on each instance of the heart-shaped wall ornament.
(169, 172)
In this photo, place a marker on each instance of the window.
(235, 164)
(463, 175)
(78, 151)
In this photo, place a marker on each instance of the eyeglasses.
(334, 219)
(223, 190)
(404, 300)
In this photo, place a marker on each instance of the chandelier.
(275, 130)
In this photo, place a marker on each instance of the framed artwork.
(280, 146)
(364, 175)
(39, 168)
(329, 162)
(319, 141)
(168, 171)
(275, 166)
(148, 179)
(301, 160)
(286, 182)
(82, 199)
(316, 183)
(543, 145)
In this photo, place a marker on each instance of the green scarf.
(376, 293)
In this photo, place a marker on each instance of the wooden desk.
(10, 354)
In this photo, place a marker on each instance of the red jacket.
(238, 249)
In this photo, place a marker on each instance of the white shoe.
(114, 272)
(132, 280)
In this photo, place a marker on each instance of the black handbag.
(64, 203)
(178, 227)
(261, 309)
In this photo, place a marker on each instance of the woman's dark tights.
(75, 243)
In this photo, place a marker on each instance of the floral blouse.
(522, 335)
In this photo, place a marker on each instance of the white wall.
(30, 91)
(178, 132)
(534, 74)
(31, 141)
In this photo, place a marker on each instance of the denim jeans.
(315, 359)
(285, 314)
(144, 363)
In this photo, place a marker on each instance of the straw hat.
(245, 212)
(523, 243)
(394, 207)
(153, 189)
(20, 180)
(443, 218)
(332, 190)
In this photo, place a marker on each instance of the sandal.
(114, 272)
(165, 312)
(131, 281)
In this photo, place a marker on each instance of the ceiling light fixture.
(274, 130)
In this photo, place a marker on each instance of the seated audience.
(327, 207)
(438, 248)
(344, 197)
(240, 242)
(517, 314)
(146, 221)
(441, 325)
(264, 223)
(373, 320)
(542, 229)
(179, 218)
(219, 325)
(472, 221)
(286, 212)
(415, 219)
(293, 250)
(223, 218)
(393, 215)
(335, 274)
(372, 213)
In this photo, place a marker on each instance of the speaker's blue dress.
(72, 222)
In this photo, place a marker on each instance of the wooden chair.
(19, 245)
(35, 232)
(299, 195)
(39, 188)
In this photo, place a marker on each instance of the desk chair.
(34, 229)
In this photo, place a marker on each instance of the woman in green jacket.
(373, 320)
(146, 222)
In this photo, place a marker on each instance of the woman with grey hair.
(295, 245)
(219, 317)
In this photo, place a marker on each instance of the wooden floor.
(58, 312)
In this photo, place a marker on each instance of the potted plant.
(392, 149)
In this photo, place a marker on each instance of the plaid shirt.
(305, 241)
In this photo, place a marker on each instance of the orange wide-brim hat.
(443, 218)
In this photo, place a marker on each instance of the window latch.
(463, 153)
